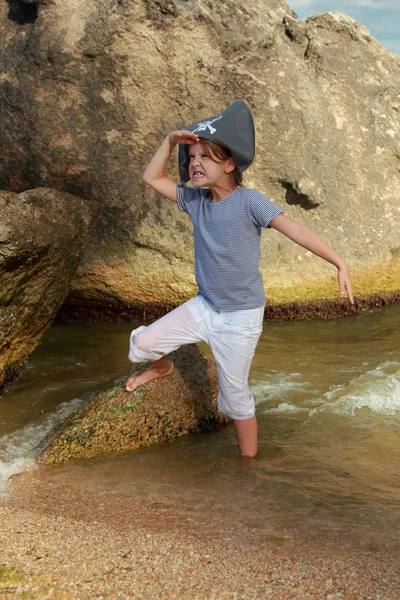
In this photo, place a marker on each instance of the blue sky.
(381, 17)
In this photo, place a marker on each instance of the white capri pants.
(232, 336)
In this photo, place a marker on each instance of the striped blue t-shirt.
(227, 237)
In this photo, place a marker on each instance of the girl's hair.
(217, 153)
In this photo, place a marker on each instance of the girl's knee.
(141, 341)
(140, 346)
(238, 405)
(238, 413)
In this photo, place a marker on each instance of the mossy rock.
(16, 584)
(160, 410)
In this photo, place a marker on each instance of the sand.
(93, 545)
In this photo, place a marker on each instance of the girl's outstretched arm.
(154, 175)
(305, 237)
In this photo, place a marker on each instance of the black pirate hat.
(232, 129)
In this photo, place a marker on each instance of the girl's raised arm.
(154, 175)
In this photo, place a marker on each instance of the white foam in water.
(17, 449)
(285, 407)
(277, 386)
(378, 390)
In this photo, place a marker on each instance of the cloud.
(369, 3)
(379, 4)
(295, 4)
(392, 44)
(302, 3)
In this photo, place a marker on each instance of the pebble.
(127, 550)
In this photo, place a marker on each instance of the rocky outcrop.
(88, 90)
(158, 411)
(42, 235)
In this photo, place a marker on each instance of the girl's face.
(206, 171)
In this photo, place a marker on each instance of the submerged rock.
(158, 411)
(42, 235)
(88, 90)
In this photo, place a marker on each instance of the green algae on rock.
(316, 300)
(160, 410)
(16, 584)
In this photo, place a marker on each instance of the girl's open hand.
(183, 136)
(344, 280)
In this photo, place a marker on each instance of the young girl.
(227, 219)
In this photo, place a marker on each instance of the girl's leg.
(152, 344)
(233, 344)
(247, 436)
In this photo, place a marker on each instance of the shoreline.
(95, 311)
(100, 544)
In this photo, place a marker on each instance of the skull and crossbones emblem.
(204, 125)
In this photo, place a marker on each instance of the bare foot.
(160, 368)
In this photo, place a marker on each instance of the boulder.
(88, 90)
(42, 235)
(158, 411)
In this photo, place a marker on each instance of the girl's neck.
(220, 192)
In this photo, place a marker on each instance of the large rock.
(89, 89)
(158, 411)
(42, 235)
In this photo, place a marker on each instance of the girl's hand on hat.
(183, 136)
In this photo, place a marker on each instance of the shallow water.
(328, 402)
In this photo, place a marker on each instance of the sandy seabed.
(104, 545)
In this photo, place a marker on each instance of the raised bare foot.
(160, 368)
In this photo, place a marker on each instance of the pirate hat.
(232, 129)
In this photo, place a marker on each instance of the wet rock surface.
(42, 235)
(158, 411)
(88, 91)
